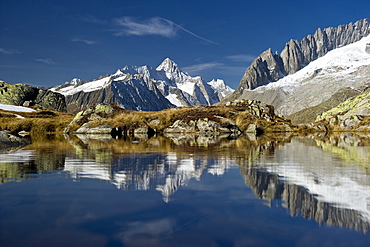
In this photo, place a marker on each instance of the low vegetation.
(240, 115)
(39, 122)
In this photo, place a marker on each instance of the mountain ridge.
(143, 88)
(269, 67)
(347, 65)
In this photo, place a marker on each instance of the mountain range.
(309, 72)
(307, 78)
(144, 88)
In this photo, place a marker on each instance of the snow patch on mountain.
(339, 62)
(132, 82)
(86, 87)
(347, 66)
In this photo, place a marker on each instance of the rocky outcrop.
(351, 115)
(269, 67)
(47, 99)
(202, 127)
(9, 141)
(233, 118)
(81, 123)
(25, 95)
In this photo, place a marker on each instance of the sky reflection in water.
(187, 191)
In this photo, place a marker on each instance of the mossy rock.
(359, 105)
(22, 94)
(104, 108)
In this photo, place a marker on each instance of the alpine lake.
(187, 190)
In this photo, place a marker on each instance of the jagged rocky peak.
(168, 65)
(172, 71)
(143, 88)
(264, 69)
(134, 70)
(219, 84)
(269, 67)
(292, 57)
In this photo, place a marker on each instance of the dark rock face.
(47, 99)
(150, 100)
(264, 69)
(25, 95)
(367, 49)
(296, 54)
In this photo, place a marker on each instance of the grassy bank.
(36, 123)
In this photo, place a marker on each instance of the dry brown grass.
(134, 119)
(36, 123)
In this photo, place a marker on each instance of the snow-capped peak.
(167, 83)
(168, 65)
(118, 73)
(220, 84)
(172, 71)
(74, 81)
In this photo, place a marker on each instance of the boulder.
(82, 118)
(206, 126)
(201, 127)
(180, 126)
(87, 129)
(9, 141)
(47, 99)
(350, 115)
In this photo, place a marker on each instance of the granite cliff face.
(269, 67)
(25, 95)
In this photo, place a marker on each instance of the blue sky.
(45, 43)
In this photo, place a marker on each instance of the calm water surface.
(187, 191)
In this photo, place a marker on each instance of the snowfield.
(339, 62)
(15, 108)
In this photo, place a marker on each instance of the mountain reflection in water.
(322, 178)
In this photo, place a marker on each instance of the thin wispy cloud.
(153, 26)
(202, 67)
(241, 58)
(92, 19)
(189, 32)
(87, 42)
(9, 52)
(45, 61)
